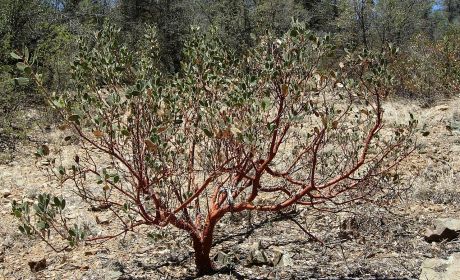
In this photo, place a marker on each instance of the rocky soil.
(366, 242)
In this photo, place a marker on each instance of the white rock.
(441, 108)
(286, 260)
(222, 258)
(5, 193)
(435, 269)
(453, 224)
(113, 274)
(281, 258)
(257, 256)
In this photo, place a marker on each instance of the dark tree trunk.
(202, 244)
(203, 262)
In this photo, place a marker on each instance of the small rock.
(281, 259)
(222, 258)
(163, 252)
(90, 253)
(440, 234)
(70, 140)
(441, 108)
(7, 242)
(434, 269)
(101, 207)
(28, 200)
(277, 255)
(257, 256)
(453, 126)
(256, 246)
(453, 224)
(113, 274)
(5, 193)
(36, 266)
(45, 162)
(286, 260)
(102, 220)
(32, 193)
(116, 272)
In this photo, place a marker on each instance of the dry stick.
(344, 258)
(108, 237)
(46, 241)
(303, 229)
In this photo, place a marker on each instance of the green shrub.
(259, 133)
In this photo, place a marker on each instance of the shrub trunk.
(202, 247)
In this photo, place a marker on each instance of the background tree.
(452, 8)
(354, 22)
(172, 18)
(323, 15)
(398, 21)
(277, 16)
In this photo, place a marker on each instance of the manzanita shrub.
(263, 132)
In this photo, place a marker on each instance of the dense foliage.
(426, 32)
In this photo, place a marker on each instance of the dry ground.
(366, 242)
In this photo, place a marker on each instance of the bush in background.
(430, 69)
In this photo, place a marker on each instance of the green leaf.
(22, 230)
(38, 208)
(56, 201)
(265, 103)
(126, 206)
(25, 229)
(26, 54)
(135, 93)
(28, 70)
(21, 81)
(99, 181)
(207, 132)
(15, 56)
(21, 66)
(39, 152)
(74, 118)
(271, 126)
(42, 225)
